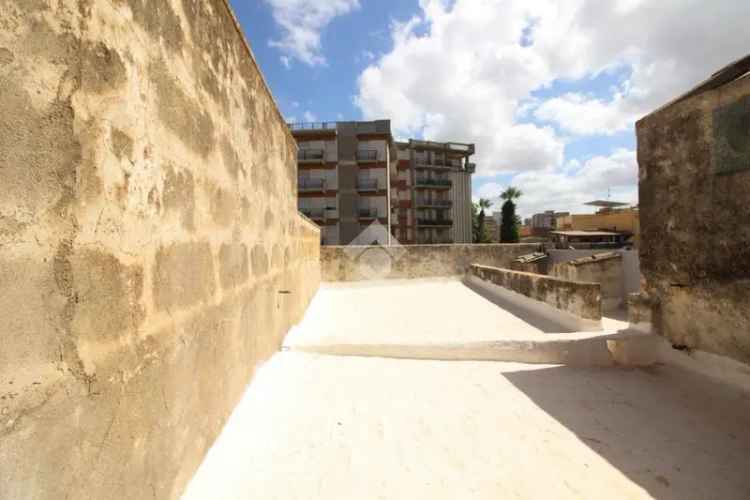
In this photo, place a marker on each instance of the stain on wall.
(694, 198)
(139, 275)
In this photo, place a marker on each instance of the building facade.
(431, 193)
(352, 174)
(344, 172)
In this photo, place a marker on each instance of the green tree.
(509, 226)
(482, 229)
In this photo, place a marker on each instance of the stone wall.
(694, 170)
(355, 263)
(151, 255)
(576, 298)
(603, 268)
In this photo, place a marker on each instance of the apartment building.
(344, 176)
(431, 192)
(353, 173)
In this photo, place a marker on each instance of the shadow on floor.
(677, 435)
(539, 322)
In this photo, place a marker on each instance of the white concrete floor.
(416, 311)
(329, 428)
(323, 427)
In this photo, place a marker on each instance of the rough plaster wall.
(353, 263)
(694, 222)
(577, 298)
(607, 272)
(151, 255)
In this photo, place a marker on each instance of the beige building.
(612, 217)
(352, 174)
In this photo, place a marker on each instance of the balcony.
(368, 213)
(316, 214)
(367, 155)
(310, 156)
(367, 185)
(311, 185)
(427, 203)
(311, 126)
(432, 183)
(439, 222)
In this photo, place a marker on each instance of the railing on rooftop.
(311, 185)
(310, 154)
(312, 126)
(367, 184)
(367, 155)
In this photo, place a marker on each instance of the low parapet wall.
(357, 263)
(582, 300)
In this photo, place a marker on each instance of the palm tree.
(509, 227)
(511, 194)
(483, 204)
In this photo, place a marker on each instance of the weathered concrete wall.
(604, 268)
(355, 263)
(694, 169)
(151, 255)
(631, 265)
(577, 298)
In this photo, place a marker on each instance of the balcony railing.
(307, 185)
(428, 182)
(312, 126)
(367, 155)
(368, 213)
(435, 222)
(434, 203)
(310, 155)
(367, 185)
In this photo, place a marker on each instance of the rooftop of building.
(380, 422)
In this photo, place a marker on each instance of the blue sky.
(548, 90)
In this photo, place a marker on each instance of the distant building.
(611, 216)
(351, 174)
(543, 223)
(493, 229)
(586, 240)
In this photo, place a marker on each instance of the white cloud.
(466, 71)
(568, 188)
(309, 117)
(302, 22)
(581, 115)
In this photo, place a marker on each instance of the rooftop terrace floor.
(321, 426)
(327, 427)
(431, 318)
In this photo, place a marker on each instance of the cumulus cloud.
(568, 188)
(469, 70)
(301, 22)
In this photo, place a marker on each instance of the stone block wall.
(694, 170)
(356, 263)
(579, 299)
(151, 253)
(604, 268)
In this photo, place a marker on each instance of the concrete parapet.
(356, 263)
(579, 299)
